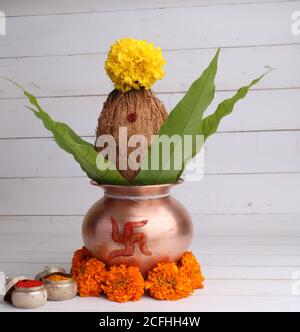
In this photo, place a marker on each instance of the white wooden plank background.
(55, 76)
(42, 158)
(246, 209)
(96, 31)
(68, 6)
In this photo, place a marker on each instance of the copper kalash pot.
(137, 225)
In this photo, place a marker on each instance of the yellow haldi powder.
(57, 277)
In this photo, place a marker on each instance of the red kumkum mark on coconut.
(132, 117)
(129, 239)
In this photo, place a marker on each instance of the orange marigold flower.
(165, 282)
(81, 256)
(189, 266)
(91, 276)
(123, 283)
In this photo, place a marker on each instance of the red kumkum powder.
(28, 283)
(131, 117)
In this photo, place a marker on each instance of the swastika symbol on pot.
(129, 238)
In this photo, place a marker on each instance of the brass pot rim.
(105, 185)
(139, 190)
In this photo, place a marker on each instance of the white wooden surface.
(246, 210)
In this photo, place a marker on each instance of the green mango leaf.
(82, 151)
(185, 119)
(211, 123)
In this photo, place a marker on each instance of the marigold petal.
(165, 282)
(190, 268)
(88, 272)
(123, 283)
(133, 63)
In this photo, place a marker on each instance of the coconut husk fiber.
(137, 110)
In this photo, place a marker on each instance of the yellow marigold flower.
(165, 282)
(123, 283)
(191, 269)
(89, 280)
(133, 63)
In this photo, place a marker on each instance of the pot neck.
(137, 192)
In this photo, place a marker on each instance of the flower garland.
(166, 281)
(90, 279)
(123, 283)
(190, 268)
(80, 257)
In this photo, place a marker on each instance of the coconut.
(140, 112)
